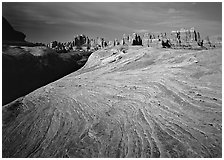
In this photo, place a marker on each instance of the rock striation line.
(144, 103)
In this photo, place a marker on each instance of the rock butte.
(144, 103)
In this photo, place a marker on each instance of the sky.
(48, 21)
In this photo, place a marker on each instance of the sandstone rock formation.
(136, 39)
(186, 38)
(166, 43)
(9, 34)
(144, 103)
(80, 42)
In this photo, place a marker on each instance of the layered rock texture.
(143, 103)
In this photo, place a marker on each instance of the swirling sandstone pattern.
(143, 103)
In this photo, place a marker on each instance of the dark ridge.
(9, 34)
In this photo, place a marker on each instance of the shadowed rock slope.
(143, 103)
(25, 69)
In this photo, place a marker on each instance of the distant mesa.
(80, 43)
(16, 38)
(178, 39)
(10, 34)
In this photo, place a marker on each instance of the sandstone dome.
(146, 102)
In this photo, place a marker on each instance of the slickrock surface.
(143, 103)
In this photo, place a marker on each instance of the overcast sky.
(44, 22)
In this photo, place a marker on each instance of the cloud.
(58, 19)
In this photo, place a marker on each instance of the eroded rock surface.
(143, 103)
